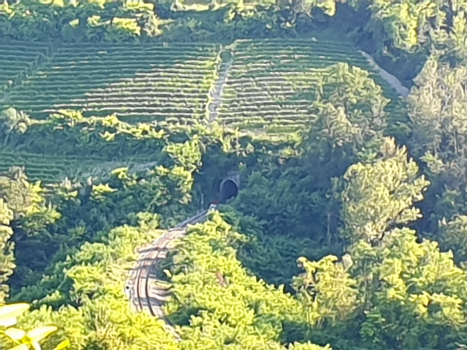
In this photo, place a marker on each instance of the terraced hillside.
(137, 82)
(263, 86)
(17, 58)
(50, 168)
(270, 83)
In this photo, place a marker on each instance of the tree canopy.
(348, 233)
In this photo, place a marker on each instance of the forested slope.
(349, 229)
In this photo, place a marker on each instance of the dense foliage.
(347, 234)
(18, 339)
(77, 20)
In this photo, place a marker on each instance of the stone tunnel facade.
(229, 186)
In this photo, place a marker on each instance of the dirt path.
(216, 93)
(391, 79)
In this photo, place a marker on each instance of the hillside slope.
(272, 83)
(264, 86)
(137, 82)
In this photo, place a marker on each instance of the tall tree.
(31, 213)
(437, 107)
(391, 290)
(7, 264)
(220, 303)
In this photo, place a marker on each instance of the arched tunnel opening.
(227, 190)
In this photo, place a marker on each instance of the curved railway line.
(144, 287)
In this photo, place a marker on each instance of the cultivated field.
(50, 168)
(272, 83)
(17, 59)
(137, 82)
(260, 86)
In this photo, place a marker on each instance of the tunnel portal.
(228, 189)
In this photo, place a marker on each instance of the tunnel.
(228, 189)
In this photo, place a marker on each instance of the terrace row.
(276, 82)
(131, 81)
(271, 79)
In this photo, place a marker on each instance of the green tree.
(78, 20)
(28, 213)
(350, 107)
(25, 216)
(379, 195)
(453, 236)
(18, 338)
(327, 291)
(437, 26)
(392, 290)
(7, 264)
(437, 110)
(219, 303)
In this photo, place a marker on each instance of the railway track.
(144, 288)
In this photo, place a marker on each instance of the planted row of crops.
(272, 84)
(17, 59)
(137, 82)
(48, 168)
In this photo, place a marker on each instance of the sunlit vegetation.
(120, 119)
(18, 339)
(271, 86)
(275, 84)
(50, 156)
(137, 83)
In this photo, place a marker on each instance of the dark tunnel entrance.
(228, 190)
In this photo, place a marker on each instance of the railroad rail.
(144, 287)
